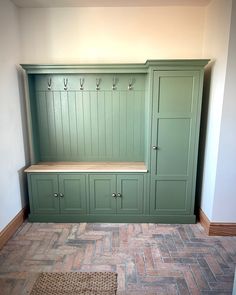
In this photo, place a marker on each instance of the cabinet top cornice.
(114, 68)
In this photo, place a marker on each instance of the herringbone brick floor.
(149, 258)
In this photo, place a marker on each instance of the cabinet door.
(101, 188)
(174, 134)
(72, 193)
(130, 191)
(44, 193)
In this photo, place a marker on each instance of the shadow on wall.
(203, 132)
(22, 176)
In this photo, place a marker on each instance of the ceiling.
(107, 3)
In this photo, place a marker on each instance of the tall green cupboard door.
(176, 108)
(72, 193)
(44, 193)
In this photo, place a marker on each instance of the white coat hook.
(98, 81)
(49, 83)
(65, 84)
(114, 81)
(81, 81)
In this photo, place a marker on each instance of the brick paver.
(149, 258)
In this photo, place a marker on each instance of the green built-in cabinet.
(79, 195)
(52, 193)
(138, 115)
(119, 194)
(175, 127)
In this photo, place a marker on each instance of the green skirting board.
(113, 219)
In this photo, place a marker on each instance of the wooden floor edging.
(12, 227)
(216, 228)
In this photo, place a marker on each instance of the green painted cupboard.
(62, 193)
(126, 190)
(175, 130)
(114, 142)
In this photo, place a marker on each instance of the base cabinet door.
(102, 194)
(72, 193)
(119, 194)
(44, 196)
(130, 192)
(52, 193)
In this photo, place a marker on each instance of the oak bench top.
(88, 167)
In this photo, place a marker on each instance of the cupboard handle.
(55, 195)
(119, 195)
(61, 195)
(113, 195)
(154, 147)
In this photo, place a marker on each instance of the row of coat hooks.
(98, 83)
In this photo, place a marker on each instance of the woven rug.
(74, 283)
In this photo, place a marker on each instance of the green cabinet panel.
(90, 124)
(72, 193)
(101, 188)
(175, 93)
(130, 194)
(175, 129)
(170, 197)
(44, 196)
(173, 141)
(120, 194)
(53, 193)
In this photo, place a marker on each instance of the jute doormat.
(74, 283)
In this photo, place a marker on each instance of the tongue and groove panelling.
(90, 125)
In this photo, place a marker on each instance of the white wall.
(215, 47)
(224, 208)
(130, 34)
(12, 157)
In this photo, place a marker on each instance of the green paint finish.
(89, 124)
(101, 188)
(72, 120)
(65, 125)
(175, 133)
(134, 218)
(72, 193)
(173, 141)
(171, 197)
(131, 191)
(178, 97)
(128, 190)
(114, 69)
(32, 121)
(43, 188)
(161, 109)
(105, 82)
(57, 193)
